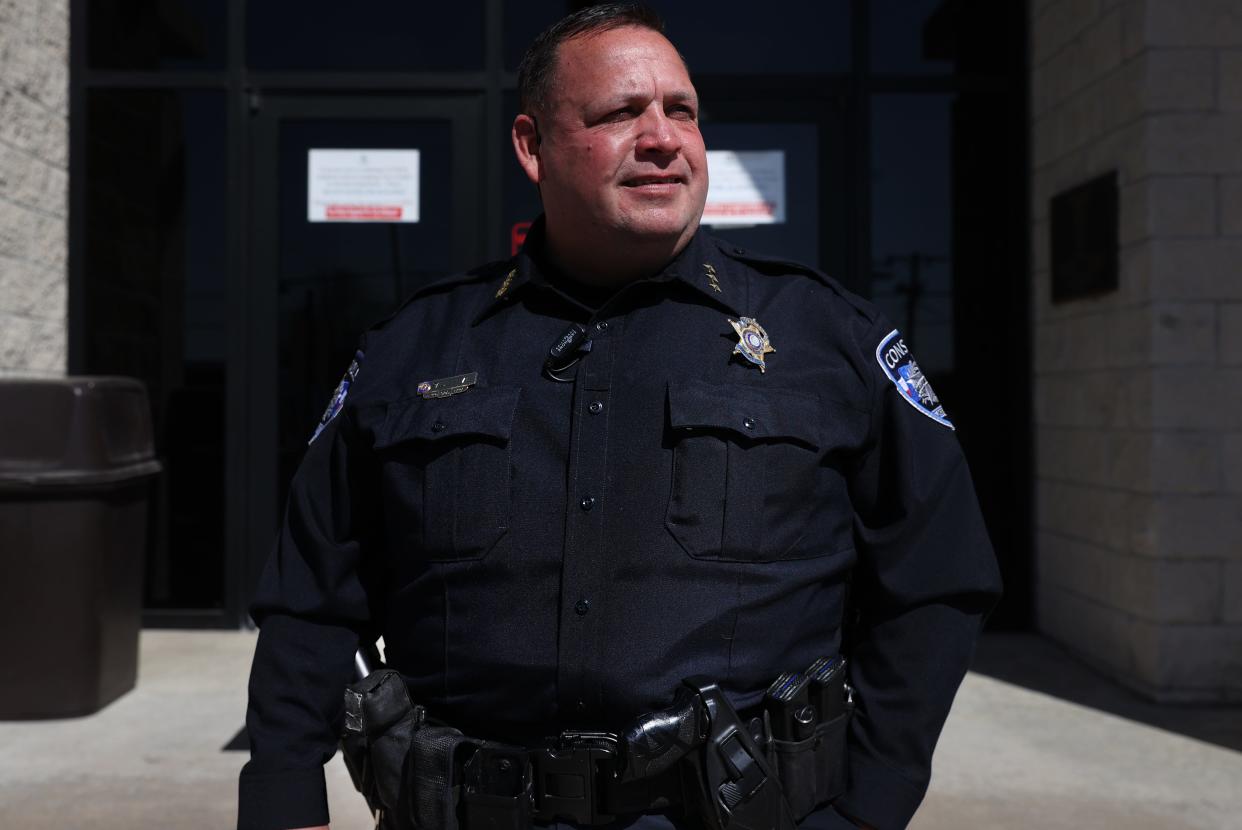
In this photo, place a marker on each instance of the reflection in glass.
(912, 37)
(154, 279)
(912, 211)
(156, 34)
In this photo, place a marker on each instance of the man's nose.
(657, 133)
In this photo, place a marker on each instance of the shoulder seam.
(860, 305)
(481, 274)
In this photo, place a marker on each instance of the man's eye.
(682, 111)
(619, 114)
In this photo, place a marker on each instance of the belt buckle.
(569, 775)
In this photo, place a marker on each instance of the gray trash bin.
(76, 459)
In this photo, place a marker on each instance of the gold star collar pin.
(752, 341)
(710, 272)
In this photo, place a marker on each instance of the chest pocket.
(447, 470)
(752, 478)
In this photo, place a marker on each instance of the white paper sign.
(362, 186)
(747, 187)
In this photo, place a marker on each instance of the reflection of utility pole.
(913, 288)
(395, 240)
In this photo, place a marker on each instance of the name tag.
(444, 387)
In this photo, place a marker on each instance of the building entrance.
(198, 265)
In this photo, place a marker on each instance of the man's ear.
(525, 134)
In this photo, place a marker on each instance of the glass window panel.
(731, 37)
(797, 237)
(922, 37)
(369, 35)
(522, 22)
(156, 34)
(155, 285)
(912, 216)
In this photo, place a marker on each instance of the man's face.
(620, 154)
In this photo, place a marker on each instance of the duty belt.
(730, 769)
(576, 778)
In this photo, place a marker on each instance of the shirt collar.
(700, 266)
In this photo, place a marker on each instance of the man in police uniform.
(683, 489)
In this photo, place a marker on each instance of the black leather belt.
(575, 778)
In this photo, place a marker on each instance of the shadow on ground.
(1040, 665)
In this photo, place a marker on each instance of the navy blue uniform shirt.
(541, 556)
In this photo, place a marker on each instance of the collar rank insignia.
(900, 367)
(504, 286)
(709, 271)
(752, 340)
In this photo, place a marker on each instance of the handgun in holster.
(736, 785)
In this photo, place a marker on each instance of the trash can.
(76, 459)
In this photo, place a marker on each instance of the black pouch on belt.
(380, 722)
(812, 770)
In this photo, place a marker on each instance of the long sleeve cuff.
(878, 795)
(281, 800)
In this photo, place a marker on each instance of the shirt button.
(580, 706)
(438, 426)
(582, 607)
(602, 325)
(587, 503)
(749, 423)
(596, 407)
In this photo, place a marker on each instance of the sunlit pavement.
(1010, 757)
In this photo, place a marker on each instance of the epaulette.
(480, 274)
(766, 263)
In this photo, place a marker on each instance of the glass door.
(358, 202)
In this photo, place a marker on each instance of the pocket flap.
(752, 413)
(486, 411)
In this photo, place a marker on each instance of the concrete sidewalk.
(1010, 757)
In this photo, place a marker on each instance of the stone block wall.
(34, 176)
(1138, 418)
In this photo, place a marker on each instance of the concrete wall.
(1139, 393)
(34, 174)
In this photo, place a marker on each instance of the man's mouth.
(648, 181)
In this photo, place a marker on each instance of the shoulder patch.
(901, 368)
(338, 396)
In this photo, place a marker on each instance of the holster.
(380, 722)
(389, 744)
(739, 787)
